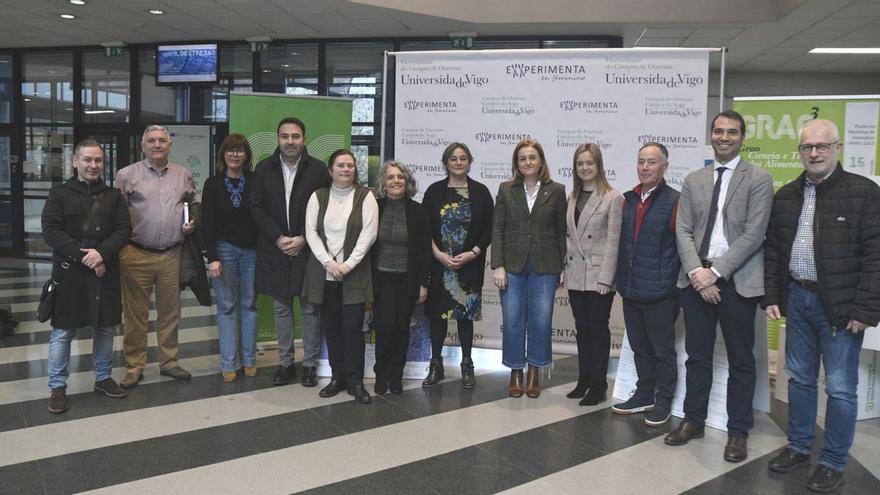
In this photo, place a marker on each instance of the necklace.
(235, 191)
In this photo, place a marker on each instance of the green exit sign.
(114, 51)
(259, 46)
(462, 42)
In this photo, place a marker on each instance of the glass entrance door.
(10, 230)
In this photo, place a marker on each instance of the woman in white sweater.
(341, 225)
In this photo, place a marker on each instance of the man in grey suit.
(722, 216)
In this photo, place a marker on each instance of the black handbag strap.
(65, 267)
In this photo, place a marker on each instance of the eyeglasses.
(235, 151)
(820, 147)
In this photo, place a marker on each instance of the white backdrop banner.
(489, 100)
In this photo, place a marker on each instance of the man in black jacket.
(86, 223)
(283, 184)
(822, 271)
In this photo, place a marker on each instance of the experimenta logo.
(501, 137)
(588, 106)
(557, 71)
(431, 106)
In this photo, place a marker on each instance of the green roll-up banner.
(772, 134)
(773, 124)
(328, 128)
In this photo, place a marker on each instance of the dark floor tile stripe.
(42, 337)
(510, 461)
(207, 446)
(86, 405)
(754, 477)
(39, 367)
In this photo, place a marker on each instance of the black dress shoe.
(360, 394)
(684, 433)
(381, 387)
(395, 385)
(736, 449)
(310, 376)
(581, 388)
(788, 460)
(825, 479)
(334, 387)
(284, 375)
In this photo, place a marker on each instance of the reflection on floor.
(206, 436)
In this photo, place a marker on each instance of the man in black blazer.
(282, 186)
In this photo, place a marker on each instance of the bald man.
(822, 272)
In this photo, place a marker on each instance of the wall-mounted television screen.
(186, 64)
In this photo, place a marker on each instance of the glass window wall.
(46, 87)
(105, 89)
(290, 69)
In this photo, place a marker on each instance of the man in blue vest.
(647, 270)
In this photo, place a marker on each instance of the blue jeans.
(527, 308)
(809, 337)
(236, 306)
(59, 354)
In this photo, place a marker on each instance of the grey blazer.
(538, 236)
(591, 256)
(746, 212)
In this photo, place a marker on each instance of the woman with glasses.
(460, 211)
(231, 241)
(528, 248)
(401, 262)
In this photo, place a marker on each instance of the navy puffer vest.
(647, 268)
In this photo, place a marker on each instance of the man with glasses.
(822, 271)
(155, 190)
(720, 227)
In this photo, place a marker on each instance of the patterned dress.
(456, 303)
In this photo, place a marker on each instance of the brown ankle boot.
(516, 383)
(533, 385)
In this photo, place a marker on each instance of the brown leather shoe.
(533, 384)
(250, 371)
(131, 379)
(58, 401)
(684, 433)
(516, 383)
(736, 449)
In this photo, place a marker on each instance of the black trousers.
(439, 329)
(737, 317)
(591, 312)
(392, 312)
(650, 328)
(343, 329)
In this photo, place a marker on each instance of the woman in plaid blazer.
(528, 249)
